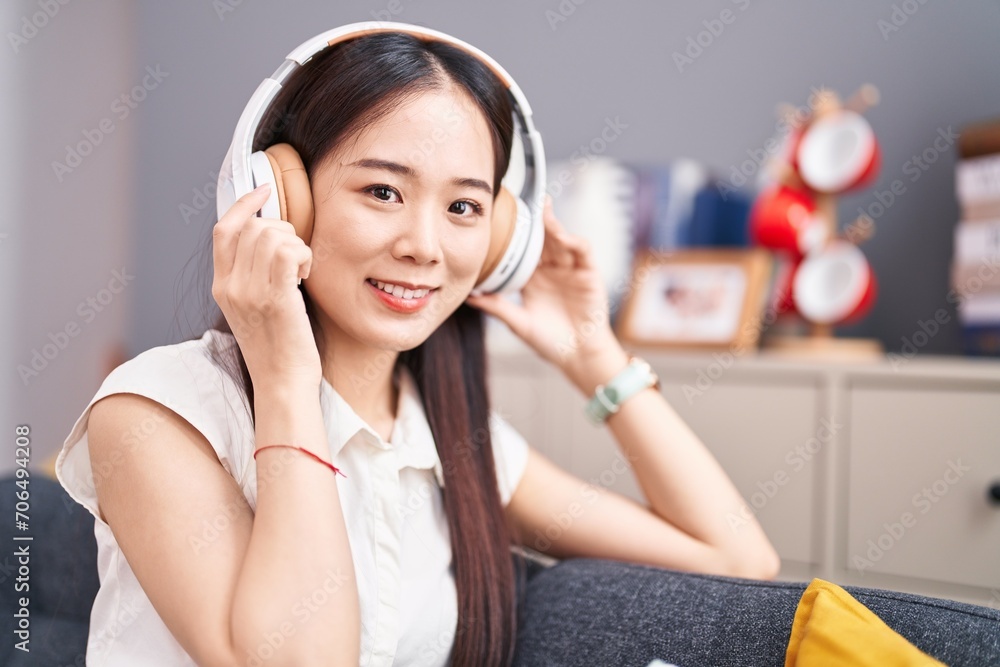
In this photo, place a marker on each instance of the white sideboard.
(869, 474)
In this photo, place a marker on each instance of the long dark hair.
(339, 92)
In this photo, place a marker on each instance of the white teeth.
(399, 291)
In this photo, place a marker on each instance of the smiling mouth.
(400, 291)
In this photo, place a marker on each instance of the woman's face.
(407, 201)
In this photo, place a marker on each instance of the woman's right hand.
(258, 262)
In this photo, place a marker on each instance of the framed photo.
(696, 298)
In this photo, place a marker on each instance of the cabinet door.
(921, 460)
(764, 435)
(768, 437)
(520, 393)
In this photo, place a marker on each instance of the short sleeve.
(510, 453)
(181, 377)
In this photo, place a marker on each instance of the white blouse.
(391, 501)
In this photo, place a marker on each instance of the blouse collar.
(411, 433)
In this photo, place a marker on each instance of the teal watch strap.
(607, 398)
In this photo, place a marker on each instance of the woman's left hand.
(564, 310)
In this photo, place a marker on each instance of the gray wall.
(607, 59)
(67, 232)
(11, 129)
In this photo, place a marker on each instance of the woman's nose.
(420, 238)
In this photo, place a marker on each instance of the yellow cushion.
(831, 628)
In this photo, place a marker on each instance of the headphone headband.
(525, 176)
(310, 48)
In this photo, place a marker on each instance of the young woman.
(226, 539)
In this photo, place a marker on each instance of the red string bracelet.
(303, 449)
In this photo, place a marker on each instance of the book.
(970, 278)
(981, 138)
(981, 308)
(976, 242)
(977, 180)
(975, 266)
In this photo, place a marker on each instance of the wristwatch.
(608, 397)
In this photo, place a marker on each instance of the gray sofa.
(576, 612)
(586, 611)
(63, 575)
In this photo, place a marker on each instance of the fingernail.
(262, 187)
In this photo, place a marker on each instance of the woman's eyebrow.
(409, 172)
(387, 165)
(473, 183)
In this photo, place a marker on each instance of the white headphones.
(517, 230)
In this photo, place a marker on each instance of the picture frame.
(696, 298)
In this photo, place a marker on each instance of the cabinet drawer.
(921, 461)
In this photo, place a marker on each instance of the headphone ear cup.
(294, 193)
(502, 223)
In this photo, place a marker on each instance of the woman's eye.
(463, 207)
(384, 193)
